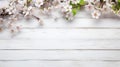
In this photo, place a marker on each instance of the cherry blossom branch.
(24, 9)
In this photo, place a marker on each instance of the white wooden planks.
(84, 42)
(36, 44)
(76, 23)
(60, 55)
(59, 64)
(65, 34)
(69, 34)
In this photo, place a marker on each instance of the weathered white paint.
(84, 42)
(59, 64)
(99, 55)
(76, 23)
(65, 34)
(80, 44)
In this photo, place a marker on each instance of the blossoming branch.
(24, 9)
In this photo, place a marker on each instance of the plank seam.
(42, 27)
(60, 49)
(57, 60)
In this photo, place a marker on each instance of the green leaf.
(82, 2)
(78, 8)
(113, 7)
(29, 0)
(119, 1)
(74, 11)
(118, 5)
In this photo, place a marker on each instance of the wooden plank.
(34, 44)
(59, 64)
(76, 23)
(60, 55)
(65, 34)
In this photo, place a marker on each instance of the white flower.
(30, 8)
(27, 11)
(96, 14)
(89, 7)
(11, 3)
(69, 16)
(22, 2)
(11, 10)
(75, 1)
(94, 1)
(66, 8)
(38, 3)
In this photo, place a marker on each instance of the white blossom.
(22, 2)
(11, 10)
(96, 14)
(38, 3)
(89, 7)
(27, 11)
(69, 16)
(94, 1)
(66, 8)
(75, 1)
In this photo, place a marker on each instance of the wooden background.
(84, 42)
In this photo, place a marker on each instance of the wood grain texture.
(65, 34)
(56, 44)
(60, 55)
(59, 64)
(83, 42)
(69, 34)
(76, 23)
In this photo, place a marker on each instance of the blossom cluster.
(24, 9)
